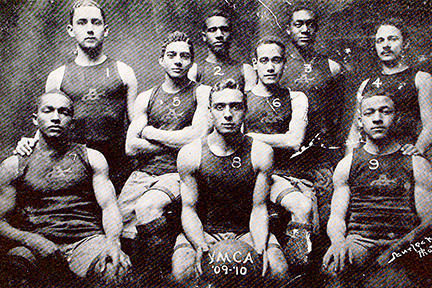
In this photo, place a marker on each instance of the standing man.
(217, 35)
(412, 88)
(278, 118)
(225, 184)
(167, 117)
(381, 203)
(70, 221)
(102, 89)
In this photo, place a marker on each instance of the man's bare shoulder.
(189, 156)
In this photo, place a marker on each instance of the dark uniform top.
(211, 73)
(55, 195)
(100, 102)
(226, 185)
(168, 112)
(271, 115)
(382, 202)
(402, 85)
(324, 92)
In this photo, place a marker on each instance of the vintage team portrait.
(216, 144)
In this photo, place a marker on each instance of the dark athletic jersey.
(382, 195)
(271, 115)
(211, 73)
(55, 195)
(168, 112)
(401, 84)
(324, 94)
(100, 102)
(226, 186)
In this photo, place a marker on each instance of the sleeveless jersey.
(324, 94)
(382, 195)
(168, 112)
(211, 73)
(402, 85)
(226, 186)
(100, 101)
(55, 195)
(270, 115)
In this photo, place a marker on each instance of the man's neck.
(264, 90)
(217, 58)
(381, 147)
(390, 68)
(308, 52)
(174, 85)
(89, 57)
(224, 144)
(54, 145)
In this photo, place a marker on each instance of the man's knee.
(277, 264)
(151, 205)
(297, 203)
(183, 269)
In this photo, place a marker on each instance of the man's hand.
(265, 262)
(201, 251)
(42, 246)
(337, 252)
(410, 150)
(25, 146)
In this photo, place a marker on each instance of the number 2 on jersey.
(217, 71)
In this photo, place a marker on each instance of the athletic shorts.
(213, 238)
(136, 186)
(81, 256)
(283, 186)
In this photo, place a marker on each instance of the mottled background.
(33, 40)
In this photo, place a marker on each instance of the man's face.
(177, 59)
(303, 28)
(88, 27)
(269, 63)
(218, 35)
(227, 111)
(377, 117)
(389, 43)
(54, 115)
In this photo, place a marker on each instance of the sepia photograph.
(216, 144)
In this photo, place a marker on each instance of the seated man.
(381, 204)
(225, 179)
(70, 219)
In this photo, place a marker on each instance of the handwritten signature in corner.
(418, 247)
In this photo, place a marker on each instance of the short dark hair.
(309, 6)
(397, 23)
(177, 36)
(227, 84)
(53, 91)
(269, 40)
(378, 92)
(217, 12)
(85, 3)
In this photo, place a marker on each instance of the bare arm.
(37, 243)
(55, 79)
(135, 143)
(353, 140)
(262, 160)
(297, 127)
(179, 138)
(193, 72)
(128, 77)
(188, 163)
(423, 83)
(336, 227)
(250, 77)
(105, 196)
(423, 203)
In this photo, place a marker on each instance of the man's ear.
(204, 36)
(254, 63)
(34, 119)
(161, 61)
(406, 45)
(70, 31)
(106, 29)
